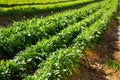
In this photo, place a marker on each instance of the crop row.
(23, 2)
(35, 9)
(62, 63)
(30, 34)
(28, 60)
(23, 25)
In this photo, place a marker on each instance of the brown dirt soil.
(94, 65)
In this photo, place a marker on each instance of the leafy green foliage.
(15, 39)
(34, 9)
(34, 55)
(58, 62)
(48, 51)
(10, 2)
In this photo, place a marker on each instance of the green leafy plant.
(20, 35)
(63, 62)
(33, 9)
(32, 56)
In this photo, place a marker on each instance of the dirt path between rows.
(107, 50)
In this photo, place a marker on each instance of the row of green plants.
(29, 59)
(62, 63)
(12, 2)
(23, 25)
(35, 9)
(21, 37)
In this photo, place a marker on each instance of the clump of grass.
(118, 18)
(113, 64)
